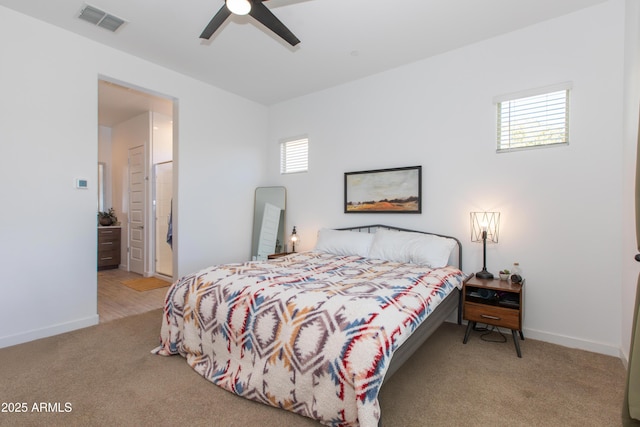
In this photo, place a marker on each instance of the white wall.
(162, 147)
(48, 137)
(559, 206)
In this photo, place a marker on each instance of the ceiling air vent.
(100, 18)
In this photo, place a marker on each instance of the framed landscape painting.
(397, 190)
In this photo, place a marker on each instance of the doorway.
(136, 153)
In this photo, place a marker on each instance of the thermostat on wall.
(82, 183)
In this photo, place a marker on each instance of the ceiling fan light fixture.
(257, 10)
(239, 7)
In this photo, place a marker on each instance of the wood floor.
(115, 300)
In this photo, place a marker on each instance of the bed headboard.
(456, 256)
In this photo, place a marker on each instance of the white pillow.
(344, 242)
(414, 248)
(433, 251)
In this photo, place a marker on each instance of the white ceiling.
(341, 40)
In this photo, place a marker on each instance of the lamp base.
(484, 274)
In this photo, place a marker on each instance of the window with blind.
(533, 119)
(294, 156)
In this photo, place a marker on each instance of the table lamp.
(484, 226)
(294, 239)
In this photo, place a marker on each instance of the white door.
(268, 231)
(136, 210)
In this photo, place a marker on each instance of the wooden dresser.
(108, 247)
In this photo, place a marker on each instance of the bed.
(318, 332)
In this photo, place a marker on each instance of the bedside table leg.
(521, 336)
(515, 341)
(470, 326)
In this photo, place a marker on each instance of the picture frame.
(394, 190)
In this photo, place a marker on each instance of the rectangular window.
(533, 119)
(294, 156)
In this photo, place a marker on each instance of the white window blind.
(534, 120)
(294, 156)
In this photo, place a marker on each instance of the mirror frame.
(277, 196)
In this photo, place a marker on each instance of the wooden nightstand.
(278, 255)
(494, 302)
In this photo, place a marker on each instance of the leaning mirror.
(268, 222)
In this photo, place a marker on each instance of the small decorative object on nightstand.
(516, 276)
(494, 302)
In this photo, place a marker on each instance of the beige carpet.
(105, 375)
(145, 283)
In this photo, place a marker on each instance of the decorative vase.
(105, 221)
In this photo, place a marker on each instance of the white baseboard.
(49, 331)
(571, 342)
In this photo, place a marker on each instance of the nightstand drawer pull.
(486, 316)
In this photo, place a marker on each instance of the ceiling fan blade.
(216, 22)
(261, 13)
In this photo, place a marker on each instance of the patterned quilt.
(311, 333)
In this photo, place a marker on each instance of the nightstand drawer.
(492, 315)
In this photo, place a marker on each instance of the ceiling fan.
(254, 8)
